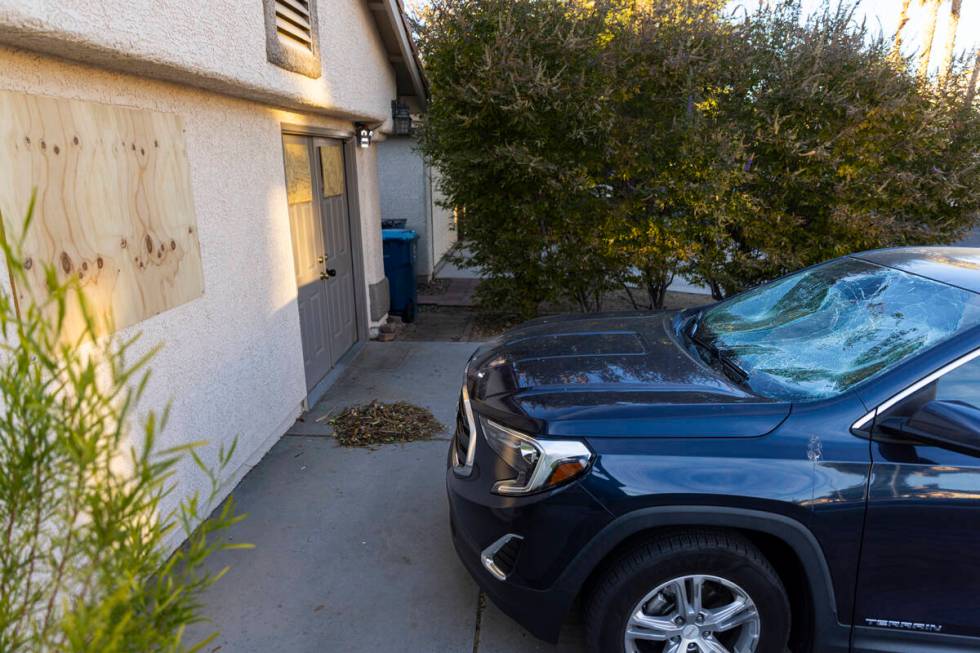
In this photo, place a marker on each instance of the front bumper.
(540, 612)
(554, 526)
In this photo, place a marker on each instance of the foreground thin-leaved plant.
(86, 496)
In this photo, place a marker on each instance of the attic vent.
(291, 35)
(293, 22)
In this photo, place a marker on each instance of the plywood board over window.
(114, 206)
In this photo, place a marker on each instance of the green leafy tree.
(596, 144)
(844, 148)
(676, 158)
(518, 126)
(83, 496)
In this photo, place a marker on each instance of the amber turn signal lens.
(566, 470)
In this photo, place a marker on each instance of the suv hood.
(613, 375)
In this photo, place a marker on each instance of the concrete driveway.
(352, 547)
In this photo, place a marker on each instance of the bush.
(518, 125)
(83, 565)
(844, 150)
(677, 158)
(619, 143)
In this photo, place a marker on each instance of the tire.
(720, 556)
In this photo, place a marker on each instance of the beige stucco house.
(209, 171)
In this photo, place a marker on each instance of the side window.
(962, 384)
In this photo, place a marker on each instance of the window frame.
(868, 418)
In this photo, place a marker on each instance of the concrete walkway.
(450, 270)
(352, 548)
(451, 291)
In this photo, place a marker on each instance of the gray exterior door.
(339, 259)
(320, 226)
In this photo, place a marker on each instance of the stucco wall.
(232, 359)
(403, 192)
(370, 209)
(444, 233)
(218, 45)
(409, 192)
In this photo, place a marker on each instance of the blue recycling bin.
(399, 247)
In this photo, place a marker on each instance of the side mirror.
(948, 424)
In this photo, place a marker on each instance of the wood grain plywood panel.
(114, 205)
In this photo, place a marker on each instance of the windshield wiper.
(733, 369)
(728, 364)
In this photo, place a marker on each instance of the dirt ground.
(463, 323)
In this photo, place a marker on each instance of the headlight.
(536, 464)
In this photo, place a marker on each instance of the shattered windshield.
(817, 333)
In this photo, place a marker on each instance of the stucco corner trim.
(291, 57)
(380, 301)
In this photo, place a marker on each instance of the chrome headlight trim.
(551, 453)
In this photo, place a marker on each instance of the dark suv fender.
(830, 636)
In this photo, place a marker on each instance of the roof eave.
(393, 26)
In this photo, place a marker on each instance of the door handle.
(326, 274)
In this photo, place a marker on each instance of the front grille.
(462, 438)
(464, 441)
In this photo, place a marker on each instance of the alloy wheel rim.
(697, 613)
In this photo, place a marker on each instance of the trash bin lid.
(398, 234)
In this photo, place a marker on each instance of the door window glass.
(299, 182)
(962, 384)
(332, 169)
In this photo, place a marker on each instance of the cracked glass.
(817, 333)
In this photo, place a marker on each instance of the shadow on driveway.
(352, 547)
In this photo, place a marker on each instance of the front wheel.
(690, 592)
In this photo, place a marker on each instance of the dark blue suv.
(795, 467)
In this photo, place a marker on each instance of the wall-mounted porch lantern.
(364, 134)
(402, 118)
